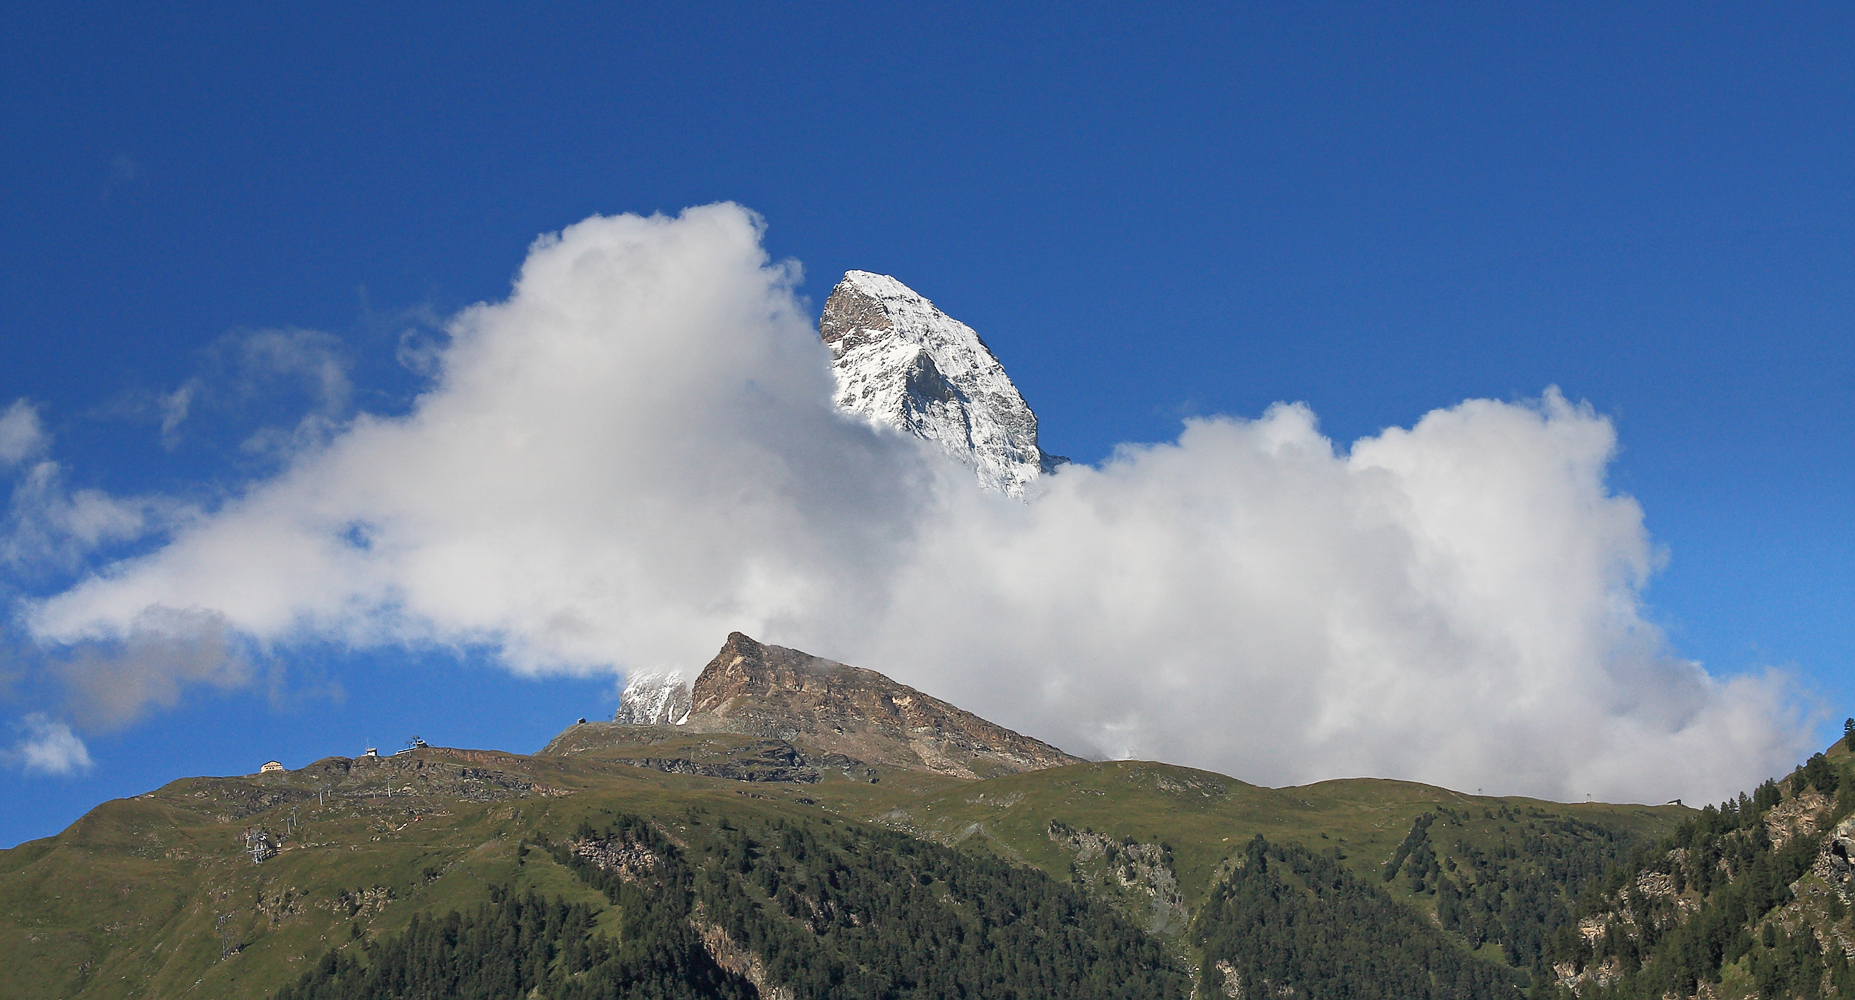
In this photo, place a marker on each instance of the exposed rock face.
(768, 760)
(832, 708)
(1135, 866)
(631, 860)
(1797, 817)
(1835, 864)
(901, 362)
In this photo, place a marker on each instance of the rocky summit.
(903, 363)
(835, 710)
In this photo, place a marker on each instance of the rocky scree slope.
(902, 363)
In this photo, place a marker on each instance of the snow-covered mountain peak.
(653, 699)
(902, 362)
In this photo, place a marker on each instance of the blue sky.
(1378, 210)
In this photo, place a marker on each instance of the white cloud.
(631, 456)
(22, 437)
(1457, 603)
(635, 453)
(50, 526)
(49, 747)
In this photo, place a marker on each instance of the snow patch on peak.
(902, 362)
(871, 283)
(654, 698)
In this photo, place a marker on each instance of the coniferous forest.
(1514, 892)
(1717, 903)
(827, 910)
(832, 909)
(1112, 880)
(1287, 922)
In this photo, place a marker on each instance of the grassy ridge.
(1207, 818)
(129, 901)
(158, 896)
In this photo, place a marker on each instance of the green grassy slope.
(158, 896)
(1206, 818)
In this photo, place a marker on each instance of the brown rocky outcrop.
(1798, 816)
(850, 316)
(1835, 863)
(832, 708)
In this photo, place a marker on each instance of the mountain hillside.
(1750, 898)
(811, 830)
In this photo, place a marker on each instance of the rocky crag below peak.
(835, 710)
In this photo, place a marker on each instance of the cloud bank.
(1457, 603)
(635, 453)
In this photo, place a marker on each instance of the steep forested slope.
(1747, 898)
(1287, 922)
(807, 908)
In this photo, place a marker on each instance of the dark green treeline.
(1289, 923)
(833, 910)
(1732, 877)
